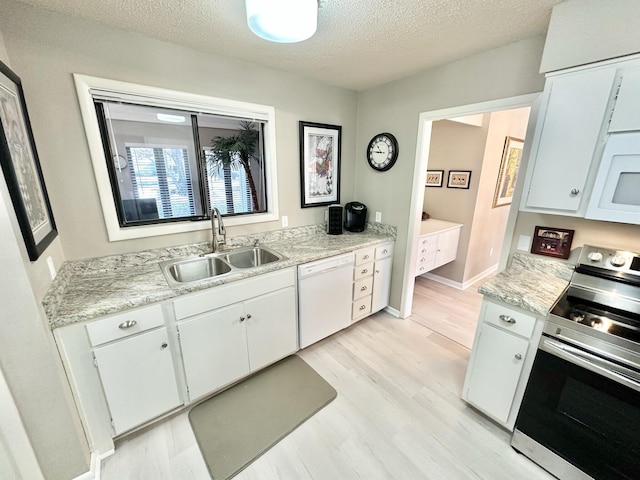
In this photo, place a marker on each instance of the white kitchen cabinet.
(567, 137)
(626, 113)
(503, 352)
(372, 280)
(138, 378)
(437, 245)
(232, 330)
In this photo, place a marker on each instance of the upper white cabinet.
(626, 115)
(568, 132)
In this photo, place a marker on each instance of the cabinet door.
(138, 378)
(381, 284)
(447, 246)
(271, 327)
(565, 141)
(625, 116)
(214, 349)
(497, 365)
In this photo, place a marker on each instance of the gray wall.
(49, 47)
(395, 107)
(28, 357)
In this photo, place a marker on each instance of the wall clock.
(382, 152)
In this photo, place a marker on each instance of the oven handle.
(591, 362)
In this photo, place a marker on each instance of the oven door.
(580, 416)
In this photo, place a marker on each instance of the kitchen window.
(163, 159)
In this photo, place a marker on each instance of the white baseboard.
(392, 311)
(459, 285)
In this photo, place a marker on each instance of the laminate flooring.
(398, 415)
(447, 310)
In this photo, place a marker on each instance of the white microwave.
(616, 191)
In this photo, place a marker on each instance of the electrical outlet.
(378, 217)
(523, 243)
(285, 221)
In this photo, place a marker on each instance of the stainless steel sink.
(252, 257)
(194, 269)
(186, 270)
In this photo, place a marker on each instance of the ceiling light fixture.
(283, 21)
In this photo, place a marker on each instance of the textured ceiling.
(359, 43)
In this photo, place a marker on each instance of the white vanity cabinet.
(437, 245)
(371, 280)
(503, 352)
(232, 330)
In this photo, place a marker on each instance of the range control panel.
(609, 259)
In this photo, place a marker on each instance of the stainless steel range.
(580, 416)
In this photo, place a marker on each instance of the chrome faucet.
(215, 242)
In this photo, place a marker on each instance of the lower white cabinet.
(225, 343)
(503, 352)
(372, 280)
(138, 378)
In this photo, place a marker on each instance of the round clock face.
(382, 152)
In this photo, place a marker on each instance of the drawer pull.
(385, 251)
(164, 345)
(127, 324)
(242, 319)
(365, 257)
(507, 319)
(364, 270)
(362, 307)
(517, 356)
(363, 288)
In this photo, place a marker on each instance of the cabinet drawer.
(508, 319)
(384, 251)
(361, 308)
(362, 287)
(125, 324)
(361, 271)
(364, 256)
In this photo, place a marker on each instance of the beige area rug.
(241, 423)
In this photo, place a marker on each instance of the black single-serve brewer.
(355, 219)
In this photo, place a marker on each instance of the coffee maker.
(355, 219)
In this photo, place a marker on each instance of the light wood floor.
(398, 415)
(446, 310)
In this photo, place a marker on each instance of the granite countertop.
(86, 289)
(532, 283)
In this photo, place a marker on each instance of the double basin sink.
(186, 270)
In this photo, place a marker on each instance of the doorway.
(478, 253)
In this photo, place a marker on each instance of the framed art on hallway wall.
(21, 167)
(508, 173)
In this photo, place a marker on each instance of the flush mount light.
(163, 117)
(284, 21)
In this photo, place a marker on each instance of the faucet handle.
(256, 242)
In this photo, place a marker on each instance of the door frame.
(425, 124)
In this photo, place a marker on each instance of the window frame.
(86, 86)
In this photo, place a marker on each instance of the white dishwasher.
(324, 297)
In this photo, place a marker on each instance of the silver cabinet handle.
(518, 356)
(385, 251)
(362, 307)
(575, 191)
(242, 319)
(507, 319)
(127, 324)
(366, 257)
(364, 270)
(363, 288)
(248, 316)
(164, 345)
(424, 250)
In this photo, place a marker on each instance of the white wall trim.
(84, 86)
(425, 122)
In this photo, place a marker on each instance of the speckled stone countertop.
(87, 289)
(532, 283)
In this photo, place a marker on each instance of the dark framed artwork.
(434, 178)
(320, 149)
(459, 179)
(508, 174)
(21, 167)
(554, 242)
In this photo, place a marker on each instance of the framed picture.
(434, 178)
(459, 179)
(319, 164)
(21, 167)
(554, 242)
(508, 173)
